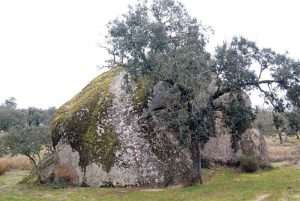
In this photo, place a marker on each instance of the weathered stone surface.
(47, 166)
(141, 158)
(227, 98)
(164, 95)
(254, 144)
(218, 149)
(103, 140)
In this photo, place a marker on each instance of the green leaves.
(148, 36)
(241, 65)
(294, 120)
(238, 117)
(26, 131)
(27, 141)
(161, 40)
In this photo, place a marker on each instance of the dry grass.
(286, 152)
(15, 163)
(3, 168)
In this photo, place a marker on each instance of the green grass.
(225, 185)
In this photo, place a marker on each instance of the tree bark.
(280, 137)
(196, 158)
(235, 142)
(35, 166)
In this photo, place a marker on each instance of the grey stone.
(149, 153)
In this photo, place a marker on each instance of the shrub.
(16, 163)
(249, 163)
(3, 167)
(19, 163)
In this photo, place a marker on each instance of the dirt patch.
(281, 164)
(262, 197)
(153, 190)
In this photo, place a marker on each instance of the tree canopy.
(26, 131)
(161, 40)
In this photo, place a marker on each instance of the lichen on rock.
(118, 132)
(82, 123)
(141, 93)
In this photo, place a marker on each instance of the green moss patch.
(76, 123)
(141, 93)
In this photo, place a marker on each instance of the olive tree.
(294, 122)
(279, 124)
(24, 131)
(27, 141)
(239, 117)
(162, 41)
(275, 76)
(165, 43)
(10, 117)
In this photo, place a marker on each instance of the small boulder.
(253, 144)
(164, 95)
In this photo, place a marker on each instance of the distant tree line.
(264, 121)
(24, 131)
(270, 123)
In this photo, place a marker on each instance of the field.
(281, 183)
(225, 185)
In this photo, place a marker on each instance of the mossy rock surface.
(82, 122)
(106, 135)
(118, 131)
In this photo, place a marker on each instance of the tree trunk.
(235, 141)
(35, 167)
(297, 135)
(280, 137)
(196, 158)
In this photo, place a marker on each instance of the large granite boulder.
(113, 134)
(99, 135)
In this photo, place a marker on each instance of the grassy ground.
(225, 185)
(279, 184)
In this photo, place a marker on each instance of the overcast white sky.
(48, 48)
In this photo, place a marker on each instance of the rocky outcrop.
(115, 149)
(254, 144)
(113, 134)
(218, 149)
